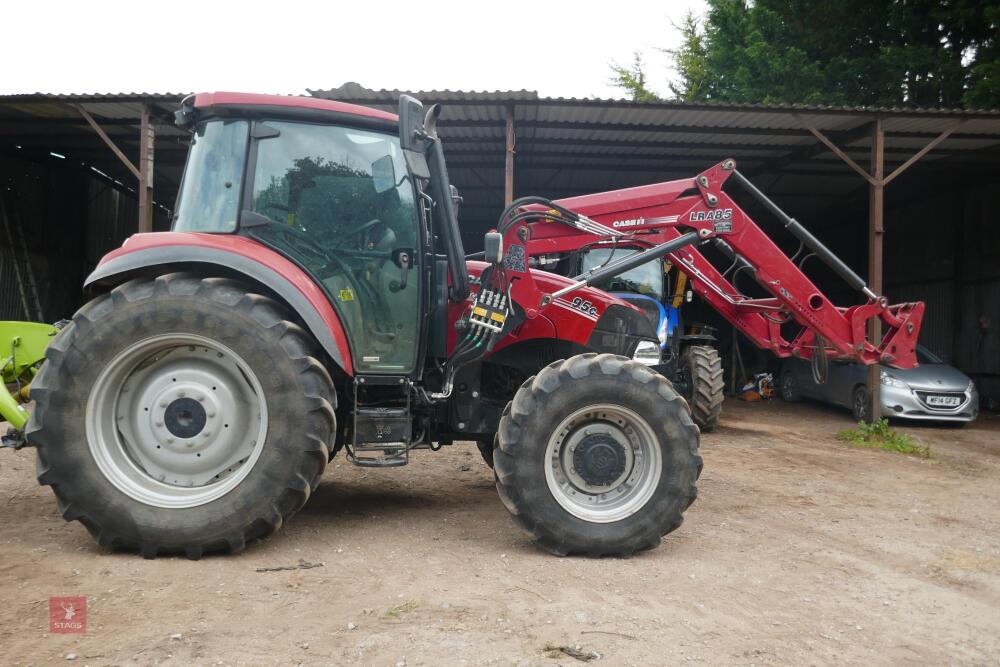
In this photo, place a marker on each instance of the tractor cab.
(326, 185)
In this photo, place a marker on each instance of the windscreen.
(644, 279)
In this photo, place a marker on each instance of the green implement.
(22, 348)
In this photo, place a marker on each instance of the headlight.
(891, 381)
(971, 389)
(647, 352)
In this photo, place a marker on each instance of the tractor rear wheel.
(704, 369)
(597, 455)
(181, 414)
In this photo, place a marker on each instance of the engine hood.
(941, 377)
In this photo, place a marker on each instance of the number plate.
(944, 401)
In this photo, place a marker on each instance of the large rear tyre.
(181, 414)
(704, 369)
(597, 455)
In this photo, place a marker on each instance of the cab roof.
(207, 101)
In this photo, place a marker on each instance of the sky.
(560, 49)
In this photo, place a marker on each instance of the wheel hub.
(599, 459)
(603, 463)
(176, 420)
(185, 417)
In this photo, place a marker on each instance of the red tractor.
(314, 296)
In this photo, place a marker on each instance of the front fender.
(234, 254)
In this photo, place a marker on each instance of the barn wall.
(67, 219)
(945, 250)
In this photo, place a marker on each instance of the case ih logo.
(633, 222)
(717, 215)
(68, 615)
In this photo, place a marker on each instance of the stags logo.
(68, 615)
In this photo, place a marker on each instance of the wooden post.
(508, 176)
(876, 231)
(147, 137)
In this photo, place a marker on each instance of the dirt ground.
(800, 550)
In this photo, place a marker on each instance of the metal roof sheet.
(568, 146)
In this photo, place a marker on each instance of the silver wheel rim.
(176, 420)
(630, 490)
(861, 404)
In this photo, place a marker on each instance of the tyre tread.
(272, 316)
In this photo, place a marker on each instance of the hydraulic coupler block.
(489, 310)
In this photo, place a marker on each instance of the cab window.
(209, 196)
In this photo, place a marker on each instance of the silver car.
(934, 390)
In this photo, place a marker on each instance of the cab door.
(339, 202)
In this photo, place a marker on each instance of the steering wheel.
(354, 232)
(279, 207)
(298, 241)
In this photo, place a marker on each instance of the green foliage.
(878, 435)
(633, 80)
(851, 52)
(689, 60)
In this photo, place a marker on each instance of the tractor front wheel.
(181, 414)
(597, 455)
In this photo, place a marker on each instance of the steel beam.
(111, 144)
(922, 152)
(876, 232)
(147, 141)
(508, 172)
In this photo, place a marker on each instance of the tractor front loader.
(314, 297)
(671, 220)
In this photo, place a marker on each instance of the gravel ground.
(800, 550)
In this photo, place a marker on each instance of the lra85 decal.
(721, 217)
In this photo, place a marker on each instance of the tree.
(851, 52)
(633, 80)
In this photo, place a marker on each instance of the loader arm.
(673, 219)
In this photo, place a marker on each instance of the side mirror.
(493, 248)
(413, 138)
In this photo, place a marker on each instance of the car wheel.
(860, 403)
(790, 388)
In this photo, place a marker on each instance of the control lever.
(401, 257)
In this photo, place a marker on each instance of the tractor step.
(381, 437)
(379, 461)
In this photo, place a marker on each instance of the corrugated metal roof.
(568, 146)
(355, 90)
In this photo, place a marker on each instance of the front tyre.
(597, 455)
(181, 414)
(706, 386)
